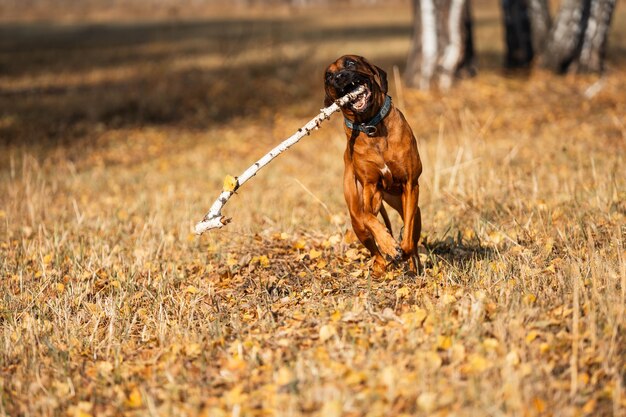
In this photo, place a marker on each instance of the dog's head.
(346, 74)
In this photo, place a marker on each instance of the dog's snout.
(341, 78)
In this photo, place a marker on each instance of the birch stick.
(214, 219)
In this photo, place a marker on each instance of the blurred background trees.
(572, 38)
(442, 45)
(575, 40)
(578, 36)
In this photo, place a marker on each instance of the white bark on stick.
(214, 219)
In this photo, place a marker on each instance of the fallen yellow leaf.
(355, 377)
(122, 215)
(532, 335)
(134, 399)
(357, 273)
(512, 358)
(444, 342)
(235, 396)
(432, 360)
(476, 364)
(491, 343)
(448, 299)
(231, 260)
(213, 412)
(262, 260)
(583, 378)
(457, 352)
(389, 376)
(193, 350)
(403, 292)
(327, 331)
(284, 376)
(82, 409)
(414, 319)
(230, 183)
(589, 406)
(427, 402)
(539, 404)
(332, 408)
(104, 368)
(530, 298)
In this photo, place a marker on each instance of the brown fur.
(384, 167)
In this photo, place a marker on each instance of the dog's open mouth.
(361, 101)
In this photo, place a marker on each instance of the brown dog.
(381, 162)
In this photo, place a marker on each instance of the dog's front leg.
(353, 193)
(372, 202)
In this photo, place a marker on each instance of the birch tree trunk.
(576, 40)
(564, 40)
(593, 49)
(442, 44)
(540, 23)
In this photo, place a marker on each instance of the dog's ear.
(380, 75)
(381, 79)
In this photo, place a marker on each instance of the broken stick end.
(214, 223)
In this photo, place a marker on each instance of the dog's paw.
(396, 257)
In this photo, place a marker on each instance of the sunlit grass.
(110, 305)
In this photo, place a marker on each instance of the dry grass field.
(115, 135)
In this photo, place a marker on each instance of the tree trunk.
(540, 23)
(565, 38)
(519, 51)
(442, 44)
(576, 39)
(593, 48)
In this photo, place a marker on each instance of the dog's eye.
(349, 63)
(328, 75)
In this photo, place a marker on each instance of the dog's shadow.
(457, 253)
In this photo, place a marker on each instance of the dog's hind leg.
(412, 224)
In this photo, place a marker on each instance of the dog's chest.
(374, 160)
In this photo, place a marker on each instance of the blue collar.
(369, 128)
